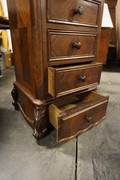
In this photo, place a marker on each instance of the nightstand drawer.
(77, 12)
(76, 115)
(65, 47)
(62, 81)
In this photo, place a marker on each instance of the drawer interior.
(77, 100)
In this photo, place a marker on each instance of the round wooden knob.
(79, 10)
(77, 45)
(88, 119)
(82, 78)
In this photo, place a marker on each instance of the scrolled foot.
(40, 118)
(14, 94)
(39, 135)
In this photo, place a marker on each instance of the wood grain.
(68, 80)
(63, 12)
(54, 44)
(61, 47)
(78, 117)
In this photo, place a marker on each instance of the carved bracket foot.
(14, 94)
(39, 122)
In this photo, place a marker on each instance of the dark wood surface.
(25, 23)
(78, 117)
(44, 37)
(78, 12)
(72, 46)
(71, 79)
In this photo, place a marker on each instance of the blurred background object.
(107, 25)
(112, 8)
(118, 28)
(2, 55)
(5, 38)
(113, 56)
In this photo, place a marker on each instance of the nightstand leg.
(40, 118)
(14, 94)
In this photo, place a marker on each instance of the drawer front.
(75, 115)
(76, 12)
(70, 126)
(67, 47)
(62, 81)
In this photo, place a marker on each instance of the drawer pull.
(88, 119)
(79, 10)
(77, 45)
(82, 78)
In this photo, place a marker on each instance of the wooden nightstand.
(55, 54)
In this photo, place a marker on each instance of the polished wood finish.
(55, 55)
(77, 115)
(25, 23)
(72, 46)
(33, 110)
(63, 81)
(78, 12)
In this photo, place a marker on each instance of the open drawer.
(77, 114)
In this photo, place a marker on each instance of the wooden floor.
(95, 155)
